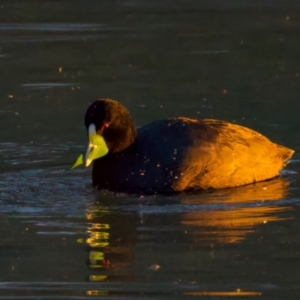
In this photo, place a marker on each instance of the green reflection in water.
(99, 234)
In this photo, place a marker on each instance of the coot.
(177, 154)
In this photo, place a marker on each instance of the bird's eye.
(103, 127)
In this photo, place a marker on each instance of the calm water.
(61, 239)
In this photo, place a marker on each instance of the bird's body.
(179, 154)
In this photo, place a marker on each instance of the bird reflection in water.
(98, 239)
(109, 253)
(209, 218)
(233, 213)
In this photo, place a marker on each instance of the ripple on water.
(50, 32)
(45, 85)
(33, 180)
(41, 191)
(123, 290)
(49, 26)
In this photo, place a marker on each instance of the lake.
(61, 239)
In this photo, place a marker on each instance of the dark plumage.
(179, 154)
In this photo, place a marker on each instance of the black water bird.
(178, 154)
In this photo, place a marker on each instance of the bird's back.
(179, 154)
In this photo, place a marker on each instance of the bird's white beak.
(90, 146)
(96, 147)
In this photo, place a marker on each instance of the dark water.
(60, 239)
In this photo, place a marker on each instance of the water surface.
(60, 238)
